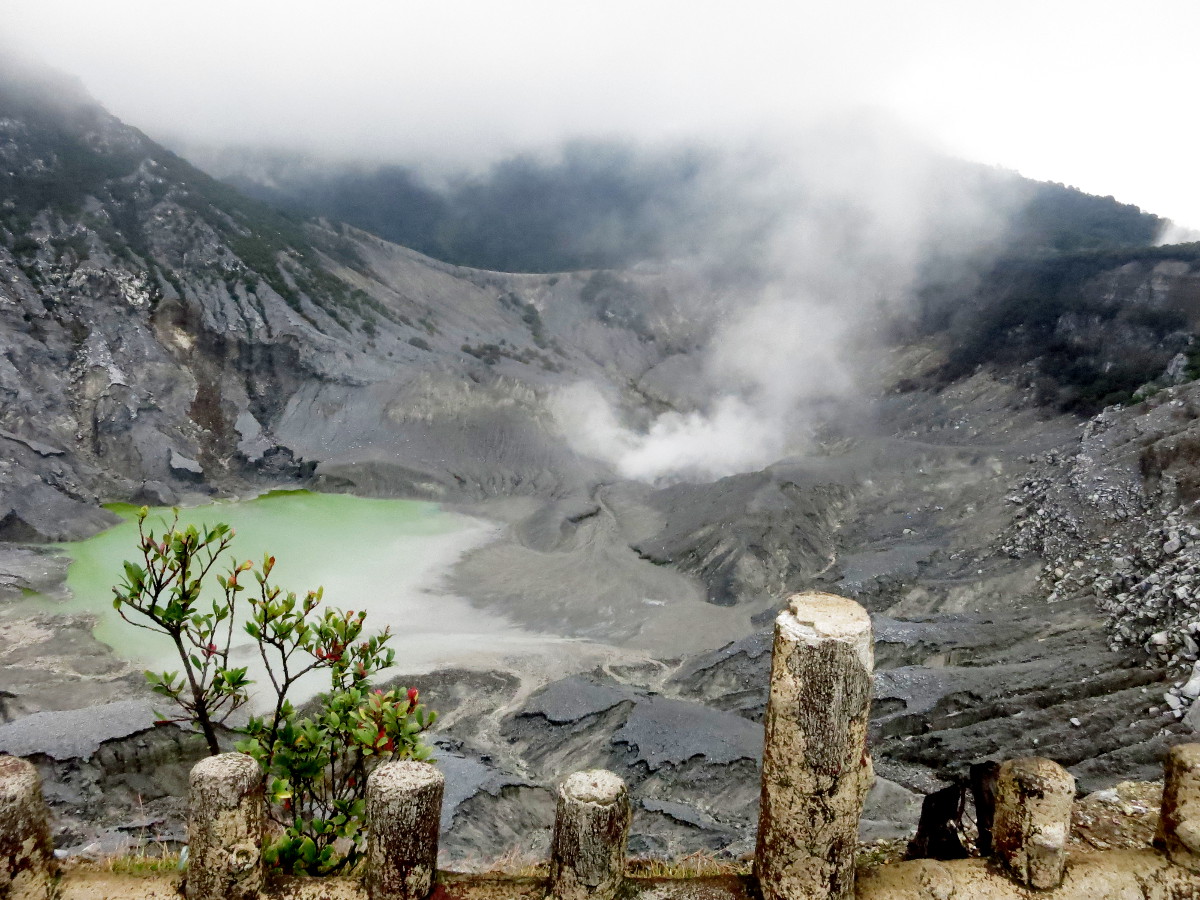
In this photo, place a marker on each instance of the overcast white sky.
(1098, 94)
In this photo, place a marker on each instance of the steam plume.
(854, 213)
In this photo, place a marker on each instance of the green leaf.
(307, 850)
(364, 736)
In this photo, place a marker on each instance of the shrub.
(164, 589)
(315, 762)
(25, 245)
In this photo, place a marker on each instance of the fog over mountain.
(1040, 88)
(808, 152)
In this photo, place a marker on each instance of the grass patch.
(143, 864)
(881, 852)
(701, 864)
(519, 864)
(151, 858)
(156, 859)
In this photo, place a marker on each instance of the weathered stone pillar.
(1032, 820)
(816, 770)
(1179, 819)
(26, 851)
(404, 816)
(591, 830)
(225, 828)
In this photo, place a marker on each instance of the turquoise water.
(383, 556)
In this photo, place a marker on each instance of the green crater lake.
(383, 556)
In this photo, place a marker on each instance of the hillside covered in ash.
(989, 443)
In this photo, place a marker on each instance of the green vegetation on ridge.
(1072, 318)
(72, 150)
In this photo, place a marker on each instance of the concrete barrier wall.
(816, 771)
(26, 854)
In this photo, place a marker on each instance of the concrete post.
(816, 770)
(591, 830)
(225, 828)
(1032, 820)
(404, 816)
(26, 851)
(1179, 819)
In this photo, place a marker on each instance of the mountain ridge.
(163, 339)
(605, 204)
